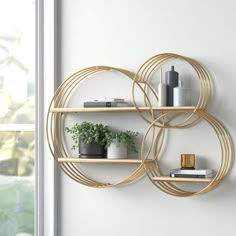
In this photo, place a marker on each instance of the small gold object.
(187, 161)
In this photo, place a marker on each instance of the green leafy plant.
(124, 137)
(89, 133)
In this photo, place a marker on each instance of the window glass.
(17, 61)
(17, 117)
(17, 153)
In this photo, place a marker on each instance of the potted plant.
(119, 143)
(91, 139)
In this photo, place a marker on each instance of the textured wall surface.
(125, 33)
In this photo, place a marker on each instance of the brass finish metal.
(55, 129)
(154, 171)
(187, 161)
(117, 109)
(181, 180)
(170, 119)
(159, 119)
(146, 71)
(102, 161)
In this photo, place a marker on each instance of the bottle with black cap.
(172, 81)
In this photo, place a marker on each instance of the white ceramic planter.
(116, 151)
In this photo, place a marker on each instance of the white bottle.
(182, 96)
(162, 92)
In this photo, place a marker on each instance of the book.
(105, 104)
(192, 171)
(192, 175)
(105, 100)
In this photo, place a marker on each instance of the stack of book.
(192, 173)
(105, 102)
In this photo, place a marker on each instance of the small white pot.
(117, 151)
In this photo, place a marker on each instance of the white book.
(193, 171)
(105, 100)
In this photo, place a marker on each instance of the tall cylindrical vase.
(162, 92)
(172, 81)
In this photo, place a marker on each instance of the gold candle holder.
(187, 161)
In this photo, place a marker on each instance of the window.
(17, 116)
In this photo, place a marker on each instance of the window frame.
(45, 171)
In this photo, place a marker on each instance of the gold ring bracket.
(143, 80)
(55, 129)
(154, 171)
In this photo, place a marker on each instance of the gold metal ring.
(55, 128)
(225, 141)
(143, 79)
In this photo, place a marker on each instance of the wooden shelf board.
(117, 109)
(179, 179)
(101, 160)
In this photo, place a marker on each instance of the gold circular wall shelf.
(55, 129)
(166, 183)
(159, 119)
(145, 73)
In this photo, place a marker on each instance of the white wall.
(125, 33)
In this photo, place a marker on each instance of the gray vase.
(172, 78)
(92, 150)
